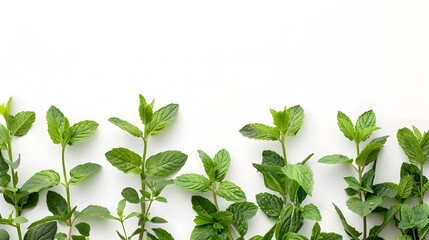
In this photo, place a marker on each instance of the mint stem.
(66, 185)
(14, 182)
(143, 187)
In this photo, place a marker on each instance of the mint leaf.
(363, 158)
(126, 126)
(410, 145)
(296, 114)
(272, 158)
(131, 195)
(162, 234)
(165, 163)
(44, 231)
(335, 159)
(202, 205)
(83, 228)
(209, 166)
(346, 126)
(41, 180)
(302, 174)
(270, 204)
(405, 186)
(221, 161)
(230, 192)
(260, 131)
(193, 182)
(363, 208)
(289, 221)
(124, 160)
(311, 212)
(4, 235)
(161, 119)
(351, 231)
(81, 131)
(57, 205)
(242, 213)
(57, 124)
(22, 123)
(203, 232)
(81, 172)
(93, 211)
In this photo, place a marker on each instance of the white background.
(226, 63)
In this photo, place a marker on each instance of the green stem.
(362, 193)
(143, 188)
(282, 141)
(67, 186)
(284, 150)
(421, 184)
(123, 228)
(14, 182)
(217, 207)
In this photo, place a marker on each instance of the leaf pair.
(414, 144)
(361, 130)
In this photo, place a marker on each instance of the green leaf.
(158, 220)
(405, 186)
(161, 119)
(414, 217)
(202, 205)
(274, 177)
(4, 179)
(242, 212)
(290, 221)
(209, 166)
(145, 110)
(22, 123)
(373, 233)
(4, 167)
(162, 234)
(335, 159)
(4, 235)
(53, 218)
(296, 114)
(203, 232)
(93, 211)
(41, 180)
(260, 132)
(363, 208)
(57, 124)
(346, 126)
(296, 192)
(126, 126)
(389, 190)
(270, 204)
(20, 220)
(223, 217)
(363, 158)
(193, 182)
(81, 131)
(165, 163)
(83, 228)
(272, 158)
(365, 125)
(302, 174)
(124, 160)
(131, 195)
(311, 212)
(281, 120)
(57, 205)
(78, 237)
(81, 172)
(351, 231)
(230, 192)
(44, 231)
(221, 163)
(414, 171)
(410, 145)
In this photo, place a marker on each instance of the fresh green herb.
(62, 133)
(291, 182)
(211, 222)
(149, 169)
(28, 195)
(363, 199)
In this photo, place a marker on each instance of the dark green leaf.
(242, 212)
(302, 174)
(161, 119)
(57, 205)
(410, 145)
(335, 159)
(346, 126)
(290, 221)
(22, 123)
(81, 131)
(81, 172)
(126, 126)
(424, 144)
(351, 231)
(366, 124)
(41, 180)
(202, 205)
(83, 228)
(4, 235)
(124, 160)
(158, 220)
(44, 231)
(221, 163)
(209, 166)
(270, 204)
(131, 195)
(165, 163)
(363, 158)
(203, 232)
(405, 186)
(274, 177)
(193, 182)
(383, 190)
(231, 192)
(272, 158)
(260, 132)
(223, 217)
(373, 233)
(162, 234)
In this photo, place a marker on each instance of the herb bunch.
(150, 170)
(364, 199)
(290, 182)
(211, 222)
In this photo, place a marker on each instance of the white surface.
(226, 63)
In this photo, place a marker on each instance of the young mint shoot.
(211, 222)
(150, 170)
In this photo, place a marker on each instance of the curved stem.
(123, 229)
(143, 187)
(421, 184)
(66, 183)
(282, 141)
(14, 183)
